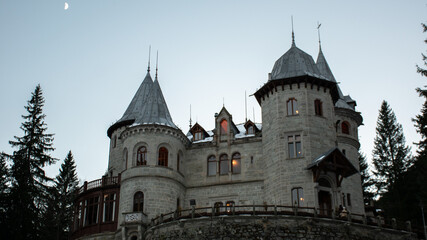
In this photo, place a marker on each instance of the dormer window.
(198, 136)
(224, 127)
(251, 130)
(292, 107)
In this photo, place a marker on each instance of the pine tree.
(365, 178)
(4, 194)
(391, 156)
(66, 187)
(29, 189)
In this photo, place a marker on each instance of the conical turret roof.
(294, 63)
(148, 106)
(323, 67)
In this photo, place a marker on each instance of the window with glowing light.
(294, 146)
(163, 157)
(236, 163)
(229, 206)
(223, 164)
(298, 197)
(224, 127)
(211, 165)
(345, 127)
(292, 107)
(141, 156)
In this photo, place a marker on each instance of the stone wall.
(271, 227)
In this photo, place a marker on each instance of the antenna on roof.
(253, 112)
(190, 117)
(157, 64)
(223, 102)
(149, 57)
(293, 35)
(246, 108)
(318, 33)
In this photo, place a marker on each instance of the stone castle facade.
(303, 154)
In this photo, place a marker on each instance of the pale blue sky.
(91, 58)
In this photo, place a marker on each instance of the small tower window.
(235, 163)
(292, 107)
(223, 164)
(294, 146)
(211, 165)
(138, 202)
(163, 157)
(318, 107)
(141, 156)
(224, 127)
(345, 127)
(298, 197)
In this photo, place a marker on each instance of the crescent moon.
(66, 6)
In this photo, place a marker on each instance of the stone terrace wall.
(248, 227)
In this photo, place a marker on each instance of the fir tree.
(4, 194)
(365, 178)
(29, 188)
(66, 187)
(391, 156)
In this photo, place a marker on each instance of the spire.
(149, 57)
(190, 118)
(157, 64)
(293, 35)
(318, 33)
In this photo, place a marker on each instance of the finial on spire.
(246, 108)
(190, 118)
(157, 63)
(293, 35)
(318, 33)
(149, 57)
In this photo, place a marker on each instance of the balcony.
(135, 218)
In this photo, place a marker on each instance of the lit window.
(109, 207)
(297, 197)
(318, 107)
(294, 146)
(141, 156)
(211, 165)
(345, 128)
(223, 164)
(163, 157)
(235, 163)
(224, 126)
(229, 206)
(292, 107)
(198, 136)
(138, 202)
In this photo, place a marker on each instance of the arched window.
(318, 107)
(218, 206)
(236, 163)
(229, 206)
(298, 197)
(292, 107)
(223, 164)
(211, 165)
(224, 126)
(138, 202)
(345, 127)
(125, 159)
(141, 156)
(163, 157)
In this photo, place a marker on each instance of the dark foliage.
(365, 178)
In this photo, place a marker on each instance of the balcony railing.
(278, 210)
(103, 182)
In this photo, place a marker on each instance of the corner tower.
(299, 127)
(147, 148)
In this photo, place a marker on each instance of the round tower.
(147, 148)
(299, 133)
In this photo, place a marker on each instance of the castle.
(304, 154)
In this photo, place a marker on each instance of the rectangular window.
(294, 146)
(109, 207)
(91, 211)
(348, 199)
(298, 197)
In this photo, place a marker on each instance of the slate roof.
(148, 106)
(294, 63)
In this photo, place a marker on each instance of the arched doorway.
(325, 197)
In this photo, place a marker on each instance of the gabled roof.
(334, 161)
(198, 128)
(294, 63)
(148, 106)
